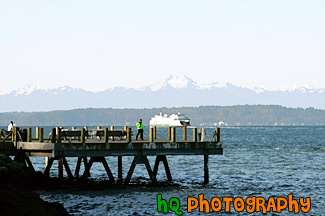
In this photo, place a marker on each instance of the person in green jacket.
(140, 130)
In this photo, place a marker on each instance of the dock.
(93, 147)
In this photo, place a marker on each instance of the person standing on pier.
(140, 130)
(10, 126)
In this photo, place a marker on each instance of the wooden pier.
(101, 143)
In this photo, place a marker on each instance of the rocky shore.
(17, 183)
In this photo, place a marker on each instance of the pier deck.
(57, 148)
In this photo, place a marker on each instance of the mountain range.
(175, 91)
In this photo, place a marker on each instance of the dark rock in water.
(5, 158)
(14, 165)
(3, 170)
(16, 197)
(14, 201)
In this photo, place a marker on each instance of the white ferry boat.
(174, 120)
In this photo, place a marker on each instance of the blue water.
(257, 161)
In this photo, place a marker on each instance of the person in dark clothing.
(140, 130)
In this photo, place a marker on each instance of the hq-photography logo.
(225, 204)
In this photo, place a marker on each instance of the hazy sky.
(101, 44)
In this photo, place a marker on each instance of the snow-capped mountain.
(172, 92)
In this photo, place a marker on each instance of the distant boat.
(174, 120)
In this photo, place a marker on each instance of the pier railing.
(102, 142)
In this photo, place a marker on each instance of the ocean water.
(257, 161)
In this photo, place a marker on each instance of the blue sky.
(96, 45)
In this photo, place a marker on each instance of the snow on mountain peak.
(3, 93)
(211, 85)
(26, 90)
(178, 82)
(174, 81)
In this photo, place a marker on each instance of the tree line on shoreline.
(238, 115)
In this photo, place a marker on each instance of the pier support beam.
(206, 169)
(80, 159)
(140, 160)
(60, 167)
(61, 162)
(104, 162)
(23, 158)
(48, 166)
(119, 168)
(162, 158)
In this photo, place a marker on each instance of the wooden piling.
(154, 132)
(125, 129)
(59, 135)
(98, 128)
(173, 134)
(128, 135)
(185, 133)
(14, 134)
(29, 135)
(53, 135)
(41, 134)
(169, 133)
(194, 134)
(106, 135)
(73, 128)
(217, 134)
(86, 133)
(37, 132)
(112, 128)
(82, 137)
(200, 133)
(151, 134)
